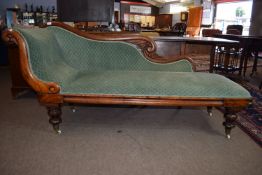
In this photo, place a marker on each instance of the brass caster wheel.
(73, 109)
(57, 130)
(209, 111)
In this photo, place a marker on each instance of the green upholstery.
(45, 58)
(153, 83)
(90, 55)
(84, 66)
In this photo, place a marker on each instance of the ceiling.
(160, 3)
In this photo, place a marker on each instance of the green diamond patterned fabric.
(57, 55)
(153, 83)
(84, 66)
(45, 58)
(100, 55)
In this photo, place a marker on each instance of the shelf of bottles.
(37, 16)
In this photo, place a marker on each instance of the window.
(174, 8)
(233, 13)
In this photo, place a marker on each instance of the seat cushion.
(154, 83)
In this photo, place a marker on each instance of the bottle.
(32, 8)
(25, 15)
(44, 15)
(31, 19)
(37, 16)
(41, 9)
(54, 15)
(26, 7)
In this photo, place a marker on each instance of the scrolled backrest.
(57, 55)
(45, 59)
(92, 55)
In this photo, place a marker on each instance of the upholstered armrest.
(11, 36)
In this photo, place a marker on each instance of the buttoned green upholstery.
(84, 66)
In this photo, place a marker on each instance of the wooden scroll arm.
(13, 37)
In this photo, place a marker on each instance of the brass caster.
(209, 111)
(56, 129)
(58, 132)
(228, 136)
(73, 109)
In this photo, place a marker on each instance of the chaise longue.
(66, 66)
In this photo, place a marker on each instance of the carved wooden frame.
(49, 92)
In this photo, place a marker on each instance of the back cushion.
(45, 58)
(90, 55)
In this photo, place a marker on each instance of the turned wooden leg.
(209, 111)
(230, 118)
(54, 113)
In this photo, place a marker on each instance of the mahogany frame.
(49, 92)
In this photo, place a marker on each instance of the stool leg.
(254, 68)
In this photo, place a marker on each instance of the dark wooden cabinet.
(164, 21)
(3, 51)
(85, 10)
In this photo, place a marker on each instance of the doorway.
(233, 13)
